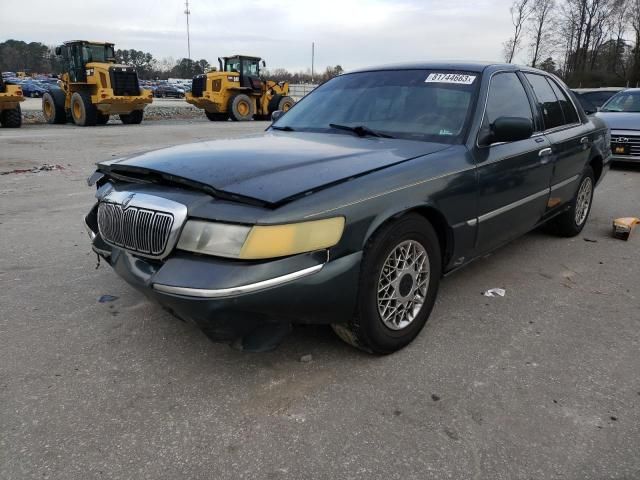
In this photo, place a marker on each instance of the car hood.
(621, 120)
(274, 166)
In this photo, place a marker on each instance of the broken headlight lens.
(260, 241)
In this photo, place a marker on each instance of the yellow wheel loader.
(93, 87)
(238, 92)
(10, 98)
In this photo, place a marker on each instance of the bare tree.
(520, 10)
(541, 20)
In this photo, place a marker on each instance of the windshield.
(623, 102)
(426, 105)
(232, 65)
(98, 53)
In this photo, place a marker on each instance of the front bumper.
(625, 158)
(230, 299)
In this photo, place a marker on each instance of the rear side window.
(569, 111)
(549, 105)
(507, 98)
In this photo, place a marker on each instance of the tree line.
(589, 43)
(36, 57)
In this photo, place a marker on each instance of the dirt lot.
(542, 383)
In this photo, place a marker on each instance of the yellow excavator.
(10, 98)
(93, 87)
(238, 92)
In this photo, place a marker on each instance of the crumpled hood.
(274, 166)
(620, 120)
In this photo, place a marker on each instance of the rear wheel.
(285, 103)
(241, 107)
(133, 118)
(53, 107)
(83, 111)
(217, 117)
(11, 118)
(399, 279)
(102, 119)
(571, 222)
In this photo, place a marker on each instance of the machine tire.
(11, 118)
(285, 104)
(273, 103)
(53, 107)
(241, 107)
(367, 330)
(217, 117)
(83, 112)
(571, 222)
(133, 118)
(102, 119)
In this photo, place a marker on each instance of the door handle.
(545, 155)
(584, 140)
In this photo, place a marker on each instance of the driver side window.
(507, 98)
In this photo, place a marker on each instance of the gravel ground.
(542, 383)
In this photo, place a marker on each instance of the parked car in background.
(167, 90)
(622, 114)
(593, 98)
(353, 204)
(33, 88)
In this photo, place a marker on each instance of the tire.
(217, 117)
(102, 119)
(368, 330)
(241, 108)
(133, 118)
(11, 118)
(285, 104)
(53, 107)
(83, 112)
(571, 222)
(274, 103)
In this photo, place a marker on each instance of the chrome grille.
(136, 229)
(632, 140)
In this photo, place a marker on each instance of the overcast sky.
(352, 33)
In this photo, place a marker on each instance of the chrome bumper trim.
(240, 290)
(92, 234)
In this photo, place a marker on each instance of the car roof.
(468, 66)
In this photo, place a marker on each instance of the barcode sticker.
(460, 79)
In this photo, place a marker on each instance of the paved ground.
(543, 383)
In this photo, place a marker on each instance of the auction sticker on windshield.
(458, 78)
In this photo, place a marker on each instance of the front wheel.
(571, 222)
(133, 118)
(399, 279)
(11, 118)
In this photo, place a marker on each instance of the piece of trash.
(306, 358)
(435, 397)
(590, 240)
(622, 227)
(495, 292)
(45, 167)
(107, 298)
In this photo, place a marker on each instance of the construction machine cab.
(248, 68)
(78, 53)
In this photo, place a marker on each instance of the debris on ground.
(107, 298)
(590, 240)
(45, 167)
(495, 292)
(622, 227)
(306, 358)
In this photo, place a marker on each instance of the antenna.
(187, 12)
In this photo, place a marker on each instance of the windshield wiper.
(360, 130)
(284, 129)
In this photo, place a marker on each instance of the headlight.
(260, 241)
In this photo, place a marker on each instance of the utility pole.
(313, 54)
(187, 12)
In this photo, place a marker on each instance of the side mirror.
(510, 129)
(276, 115)
(58, 51)
(264, 64)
